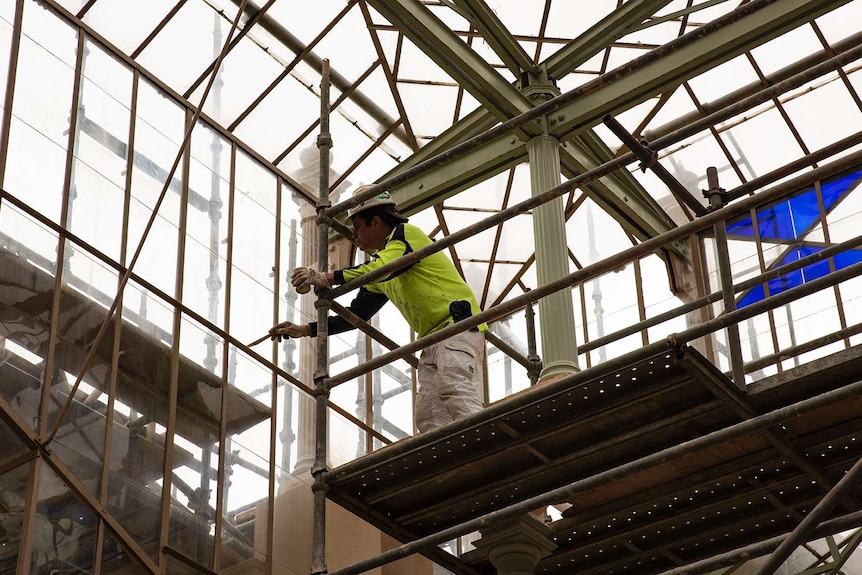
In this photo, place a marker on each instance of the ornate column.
(307, 356)
(309, 176)
(515, 546)
(556, 312)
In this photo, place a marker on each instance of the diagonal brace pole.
(803, 531)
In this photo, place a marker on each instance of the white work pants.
(450, 380)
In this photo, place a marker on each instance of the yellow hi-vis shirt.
(422, 292)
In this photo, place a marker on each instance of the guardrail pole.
(321, 374)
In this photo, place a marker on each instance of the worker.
(430, 294)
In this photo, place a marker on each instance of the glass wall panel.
(196, 456)
(246, 489)
(7, 11)
(658, 297)
(101, 146)
(87, 293)
(189, 32)
(204, 280)
(194, 486)
(140, 417)
(392, 390)
(346, 351)
(382, 398)
(290, 402)
(10, 444)
(346, 440)
(148, 313)
(7, 16)
(158, 132)
(611, 304)
(201, 352)
(294, 251)
(177, 567)
(36, 161)
(13, 492)
(64, 529)
(253, 250)
(117, 559)
(26, 288)
(506, 376)
(135, 481)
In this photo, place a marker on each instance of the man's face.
(370, 237)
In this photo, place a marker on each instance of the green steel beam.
(679, 60)
(637, 212)
(458, 174)
(586, 45)
(501, 41)
(449, 52)
(478, 121)
(598, 37)
(645, 77)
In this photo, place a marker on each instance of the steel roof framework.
(500, 101)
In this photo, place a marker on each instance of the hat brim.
(398, 215)
(389, 209)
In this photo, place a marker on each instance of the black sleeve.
(365, 305)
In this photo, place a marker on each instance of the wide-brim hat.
(382, 200)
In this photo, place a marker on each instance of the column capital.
(515, 546)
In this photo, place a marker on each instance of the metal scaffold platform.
(656, 461)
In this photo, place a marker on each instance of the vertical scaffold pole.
(321, 374)
(716, 201)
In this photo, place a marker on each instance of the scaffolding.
(384, 506)
(800, 422)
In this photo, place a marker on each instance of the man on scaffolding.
(430, 294)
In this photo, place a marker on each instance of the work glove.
(286, 329)
(303, 279)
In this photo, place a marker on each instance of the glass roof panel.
(568, 20)
(5, 45)
(520, 18)
(708, 13)
(678, 104)
(854, 75)
(593, 234)
(483, 49)
(619, 56)
(841, 22)
(837, 116)
(787, 48)
(195, 34)
(72, 6)
(723, 79)
(655, 34)
(431, 108)
(245, 73)
(306, 24)
(352, 63)
(584, 73)
(272, 126)
(756, 153)
(7, 11)
(127, 24)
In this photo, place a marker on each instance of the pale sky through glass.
(399, 101)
